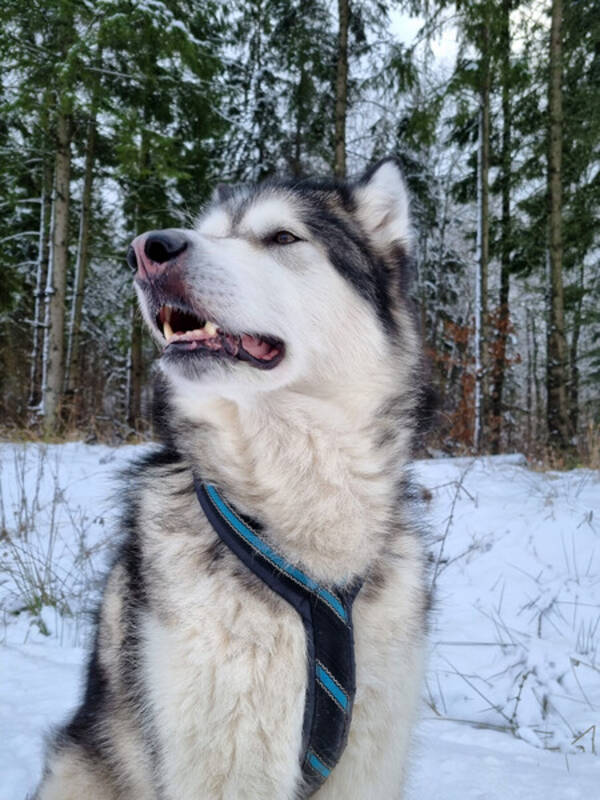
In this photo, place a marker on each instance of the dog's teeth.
(167, 330)
(210, 328)
(168, 311)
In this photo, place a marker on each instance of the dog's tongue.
(258, 347)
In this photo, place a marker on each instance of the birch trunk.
(35, 373)
(556, 370)
(341, 89)
(73, 363)
(485, 232)
(57, 277)
(483, 239)
(478, 315)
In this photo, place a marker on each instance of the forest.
(119, 116)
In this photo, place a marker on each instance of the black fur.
(81, 728)
(350, 257)
(378, 281)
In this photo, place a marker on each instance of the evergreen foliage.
(141, 107)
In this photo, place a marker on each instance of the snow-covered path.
(515, 658)
(457, 762)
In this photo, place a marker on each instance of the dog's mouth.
(187, 333)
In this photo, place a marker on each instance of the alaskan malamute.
(289, 384)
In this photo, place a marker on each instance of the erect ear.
(382, 205)
(223, 192)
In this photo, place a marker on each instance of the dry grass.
(46, 560)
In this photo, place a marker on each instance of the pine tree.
(581, 198)
(146, 106)
(302, 47)
(341, 88)
(72, 371)
(559, 247)
(505, 158)
(557, 409)
(278, 87)
(475, 72)
(165, 120)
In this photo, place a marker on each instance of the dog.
(290, 380)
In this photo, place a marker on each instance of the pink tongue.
(257, 347)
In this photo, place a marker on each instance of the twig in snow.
(459, 487)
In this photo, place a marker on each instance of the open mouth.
(185, 332)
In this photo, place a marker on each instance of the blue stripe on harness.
(316, 763)
(327, 618)
(332, 686)
(263, 548)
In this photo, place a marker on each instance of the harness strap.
(327, 618)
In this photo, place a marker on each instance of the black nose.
(162, 246)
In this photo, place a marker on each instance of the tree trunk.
(135, 357)
(574, 354)
(556, 383)
(529, 385)
(35, 374)
(503, 310)
(341, 89)
(72, 364)
(537, 383)
(483, 240)
(54, 333)
(135, 370)
(299, 125)
(260, 113)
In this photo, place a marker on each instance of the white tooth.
(167, 330)
(168, 311)
(210, 328)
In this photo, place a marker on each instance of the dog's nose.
(152, 253)
(164, 246)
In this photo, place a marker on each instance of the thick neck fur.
(321, 473)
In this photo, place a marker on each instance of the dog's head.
(288, 284)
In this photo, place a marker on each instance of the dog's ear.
(382, 206)
(223, 192)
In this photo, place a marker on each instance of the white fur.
(302, 446)
(384, 208)
(222, 666)
(308, 448)
(73, 777)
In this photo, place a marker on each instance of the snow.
(510, 705)
(517, 638)
(455, 762)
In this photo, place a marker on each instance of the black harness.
(327, 618)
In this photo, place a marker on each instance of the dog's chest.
(225, 669)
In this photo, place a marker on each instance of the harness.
(327, 618)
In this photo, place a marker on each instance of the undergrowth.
(46, 560)
(543, 651)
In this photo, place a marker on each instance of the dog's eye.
(284, 237)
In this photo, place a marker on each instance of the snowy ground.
(512, 701)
